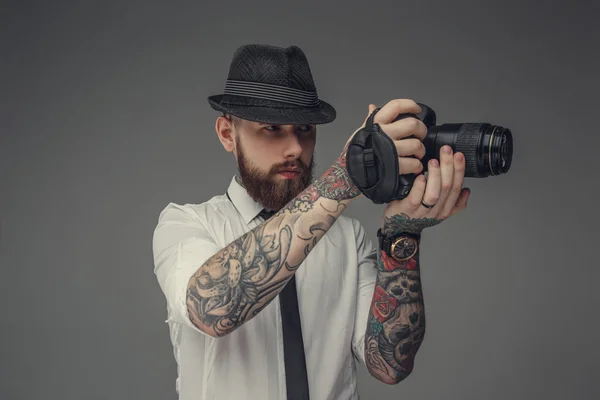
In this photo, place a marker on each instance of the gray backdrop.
(104, 120)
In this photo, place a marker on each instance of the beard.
(272, 193)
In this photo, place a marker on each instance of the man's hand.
(442, 188)
(432, 199)
(397, 131)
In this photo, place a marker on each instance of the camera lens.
(487, 148)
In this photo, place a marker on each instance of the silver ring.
(427, 205)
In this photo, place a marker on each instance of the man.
(281, 305)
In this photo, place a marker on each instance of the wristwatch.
(401, 246)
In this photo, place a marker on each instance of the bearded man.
(271, 292)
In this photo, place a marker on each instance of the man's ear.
(225, 132)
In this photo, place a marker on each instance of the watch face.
(404, 248)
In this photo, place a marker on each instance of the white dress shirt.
(335, 285)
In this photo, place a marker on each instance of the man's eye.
(306, 128)
(301, 128)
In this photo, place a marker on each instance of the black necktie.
(293, 346)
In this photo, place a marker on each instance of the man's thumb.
(372, 108)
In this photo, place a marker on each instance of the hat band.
(267, 91)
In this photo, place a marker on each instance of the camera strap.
(372, 163)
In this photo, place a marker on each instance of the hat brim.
(272, 114)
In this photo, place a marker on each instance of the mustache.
(290, 165)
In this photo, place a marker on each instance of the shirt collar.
(245, 205)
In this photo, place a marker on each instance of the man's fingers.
(394, 108)
(447, 172)
(409, 165)
(434, 179)
(404, 128)
(410, 147)
(416, 192)
(458, 179)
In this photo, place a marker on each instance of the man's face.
(275, 162)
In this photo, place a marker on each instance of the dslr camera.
(372, 160)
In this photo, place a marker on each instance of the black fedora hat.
(272, 85)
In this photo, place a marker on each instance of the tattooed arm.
(240, 280)
(396, 326)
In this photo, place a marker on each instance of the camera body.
(372, 160)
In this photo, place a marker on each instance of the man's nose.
(293, 148)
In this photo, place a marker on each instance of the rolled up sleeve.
(181, 244)
(367, 275)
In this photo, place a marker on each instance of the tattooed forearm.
(336, 183)
(239, 281)
(396, 326)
